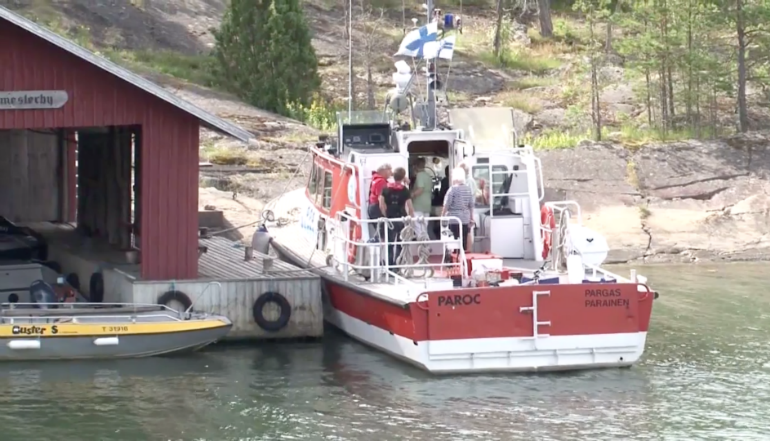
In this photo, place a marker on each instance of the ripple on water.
(705, 376)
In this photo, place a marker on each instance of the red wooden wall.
(170, 141)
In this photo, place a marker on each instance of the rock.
(522, 121)
(555, 117)
(682, 202)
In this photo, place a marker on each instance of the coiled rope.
(408, 234)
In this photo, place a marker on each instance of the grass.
(520, 101)
(196, 69)
(520, 60)
(229, 156)
(555, 139)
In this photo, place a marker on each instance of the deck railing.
(379, 252)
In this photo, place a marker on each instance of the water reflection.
(706, 375)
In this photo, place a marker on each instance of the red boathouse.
(89, 142)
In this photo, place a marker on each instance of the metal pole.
(350, 58)
(431, 110)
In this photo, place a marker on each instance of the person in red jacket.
(379, 181)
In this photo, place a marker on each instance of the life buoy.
(96, 288)
(283, 318)
(547, 220)
(170, 296)
(73, 280)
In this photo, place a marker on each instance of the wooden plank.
(43, 184)
(6, 173)
(225, 260)
(19, 176)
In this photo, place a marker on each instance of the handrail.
(86, 319)
(347, 241)
(78, 305)
(560, 206)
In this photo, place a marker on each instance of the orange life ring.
(547, 220)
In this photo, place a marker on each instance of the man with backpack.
(396, 202)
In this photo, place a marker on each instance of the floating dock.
(264, 297)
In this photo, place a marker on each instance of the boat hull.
(573, 333)
(36, 342)
(512, 354)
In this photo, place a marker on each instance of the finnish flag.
(413, 44)
(440, 49)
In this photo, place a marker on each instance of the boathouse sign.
(33, 99)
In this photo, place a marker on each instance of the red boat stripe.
(504, 312)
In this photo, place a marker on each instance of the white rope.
(409, 234)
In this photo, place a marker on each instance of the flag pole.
(350, 59)
(431, 110)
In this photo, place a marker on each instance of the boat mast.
(350, 58)
(431, 79)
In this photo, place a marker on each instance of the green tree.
(265, 55)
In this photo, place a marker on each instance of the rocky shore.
(682, 202)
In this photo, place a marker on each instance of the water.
(706, 376)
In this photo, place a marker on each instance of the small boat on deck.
(47, 329)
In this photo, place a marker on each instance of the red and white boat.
(513, 304)
(529, 296)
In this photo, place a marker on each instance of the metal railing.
(375, 266)
(69, 311)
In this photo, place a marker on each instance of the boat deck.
(292, 245)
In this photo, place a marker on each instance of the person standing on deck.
(471, 183)
(459, 202)
(379, 181)
(396, 202)
(422, 193)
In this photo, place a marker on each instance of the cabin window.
(312, 183)
(482, 172)
(327, 190)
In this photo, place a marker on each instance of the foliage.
(320, 114)
(264, 54)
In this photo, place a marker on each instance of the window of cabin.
(327, 190)
(482, 172)
(312, 183)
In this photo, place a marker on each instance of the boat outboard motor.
(260, 242)
(42, 292)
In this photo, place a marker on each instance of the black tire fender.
(169, 296)
(96, 288)
(281, 321)
(73, 280)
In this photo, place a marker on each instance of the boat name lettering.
(603, 293)
(33, 330)
(604, 298)
(115, 328)
(459, 300)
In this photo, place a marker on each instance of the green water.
(705, 376)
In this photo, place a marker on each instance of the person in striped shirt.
(459, 202)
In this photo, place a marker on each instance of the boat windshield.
(362, 117)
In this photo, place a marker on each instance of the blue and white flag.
(444, 48)
(414, 42)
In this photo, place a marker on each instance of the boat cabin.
(507, 176)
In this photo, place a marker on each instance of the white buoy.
(106, 341)
(24, 344)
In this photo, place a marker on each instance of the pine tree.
(265, 55)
